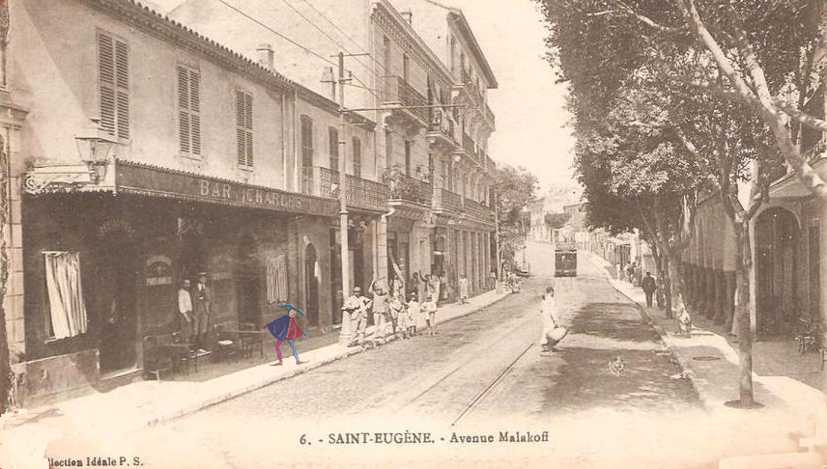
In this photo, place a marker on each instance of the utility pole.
(343, 220)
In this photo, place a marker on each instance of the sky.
(529, 105)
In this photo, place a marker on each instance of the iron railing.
(400, 92)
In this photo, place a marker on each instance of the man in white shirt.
(549, 316)
(185, 310)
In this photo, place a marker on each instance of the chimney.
(265, 56)
(408, 15)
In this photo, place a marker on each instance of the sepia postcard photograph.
(574, 234)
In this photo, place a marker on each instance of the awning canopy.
(153, 181)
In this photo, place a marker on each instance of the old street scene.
(375, 233)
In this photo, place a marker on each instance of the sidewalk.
(25, 436)
(791, 407)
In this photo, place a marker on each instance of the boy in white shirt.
(549, 316)
(414, 310)
(429, 311)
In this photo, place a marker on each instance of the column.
(13, 303)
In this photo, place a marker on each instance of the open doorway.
(248, 281)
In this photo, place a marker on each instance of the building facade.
(425, 83)
(156, 154)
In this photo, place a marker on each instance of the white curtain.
(63, 284)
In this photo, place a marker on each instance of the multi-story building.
(425, 83)
(143, 153)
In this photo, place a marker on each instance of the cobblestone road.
(482, 375)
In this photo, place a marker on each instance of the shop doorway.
(117, 278)
(248, 281)
(311, 285)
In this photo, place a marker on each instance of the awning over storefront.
(154, 181)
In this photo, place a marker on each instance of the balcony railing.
(447, 200)
(361, 193)
(400, 93)
(367, 194)
(440, 122)
(406, 188)
(478, 211)
(468, 145)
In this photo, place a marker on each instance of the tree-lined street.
(481, 373)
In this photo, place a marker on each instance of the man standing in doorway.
(202, 309)
(649, 287)
(185, 311)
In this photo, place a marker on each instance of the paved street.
(482, 374)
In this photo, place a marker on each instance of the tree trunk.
(742, 264)
(5, 363)
(677, 286)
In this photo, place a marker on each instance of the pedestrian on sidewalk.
(649, 286)
(202, 308)
(185, 311)
(286, 328)
(429, 311)
(433, 281)
(380, 311)
(414, 310)
(398, 317)
(463, 289)
(549, 317)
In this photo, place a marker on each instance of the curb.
(228, 395)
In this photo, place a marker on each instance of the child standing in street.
(414, 310)
(397, 316)
(429, 311)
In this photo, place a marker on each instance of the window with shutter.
(334, 148)
(244, 128)
(357, 157)
(189, 107)
(113, 79)
(307, 154)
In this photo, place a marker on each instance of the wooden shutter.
(244, 130)
(357, 157)
(195, 110)
(189, 121)
(113, 78)
(333, 134)
(307, 142)
(184, 135)
(106, 66)
(122, 80)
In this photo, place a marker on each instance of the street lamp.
(94, 146)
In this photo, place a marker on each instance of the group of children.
(411, 313)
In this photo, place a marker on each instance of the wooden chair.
(156, 358)
(227, 343)
(251, 336)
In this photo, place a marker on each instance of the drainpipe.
(383, 235)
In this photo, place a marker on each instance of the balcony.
(445, 200)
(441, 131)
(478, 211)
(361, 193)
(469, 147)
(407, 189)
(400, 96)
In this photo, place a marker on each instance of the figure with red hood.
(286, 328)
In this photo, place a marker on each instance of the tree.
(555, 221)
(723, 73)
(514, 187)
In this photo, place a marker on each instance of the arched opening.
(248, 281)
(311, 284)
(776, 242)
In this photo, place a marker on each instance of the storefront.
(103, 268)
